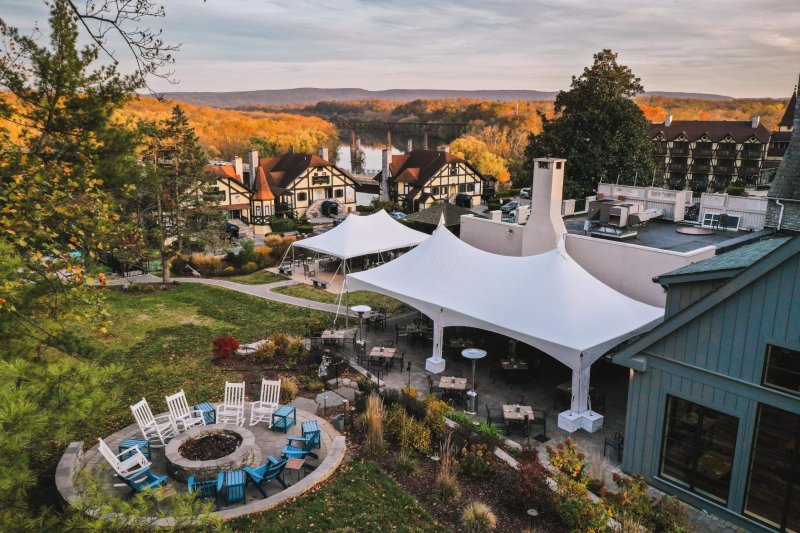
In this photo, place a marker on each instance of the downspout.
(780, 215)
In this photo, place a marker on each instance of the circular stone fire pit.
(206, 442)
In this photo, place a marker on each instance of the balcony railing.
(678, 167)
(702, 152)
(727, 153)
(724, 169)
(752, 154)
(776, 152)
(677, 152)
(748, 171)
(702, 168)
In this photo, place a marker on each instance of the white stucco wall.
(630, 268)
(492, 235)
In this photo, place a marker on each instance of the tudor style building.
(714, 393)
(420, 178)
(233, 195)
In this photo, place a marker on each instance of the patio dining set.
(132, 463)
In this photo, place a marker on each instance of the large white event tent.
(363, 235)
(545, 300)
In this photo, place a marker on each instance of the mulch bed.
(209, 447)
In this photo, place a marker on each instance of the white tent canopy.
(362, 235)
(545, 300)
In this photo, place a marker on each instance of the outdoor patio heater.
(361, 309)
(472, 396)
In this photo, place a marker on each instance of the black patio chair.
(617, 442)
(494, 415)
(539, 420)
(434, 389)
(400, 333)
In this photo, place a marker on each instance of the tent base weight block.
(434, 365)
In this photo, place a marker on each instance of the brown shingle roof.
(419, 166)
(283, 170)
(224, 171)
(715, 129)
(263, 191)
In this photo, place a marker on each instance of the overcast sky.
(734, 47)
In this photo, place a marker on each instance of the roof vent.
(668, 121)
(755, 121)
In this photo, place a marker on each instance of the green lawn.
(257, 278)
(163, 339)
(360, 498)
(371, 299)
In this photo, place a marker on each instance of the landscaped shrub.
(489, 430)
(273, 240)
(178, 265)
(247, 254)
(229, 271)
(305, 228)
(478, 518)
(414, 407)
(289, 389)
(407, 432)
(263, 256)
(207, 265)
(281, 343)
(569, 460)
(371, 420)
(528, 482)
(296, 350)
(577, 511)
(405, 464)
(281, 225)
(310, 383)
(409, 391)
(224, 347)
(476, 461)
(435, 417)
(670, 514)
(249, 267)
(630, 501)
(446, 484)
(461, 419)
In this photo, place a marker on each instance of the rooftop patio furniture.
(617, 442)
(433, 389)
(261, 476)
(286, 269)
(310, 430)
(400, 333)
(308, 271)
(161, 427)
(235, 486)
(284, 418)
(539, 420)
(135, 462)
(494, 415)
(184, 417)
(360, 350)
(231, 411)
(268, 403)
(320, 283)
(126, 448)
(207, 489)
(290, 451)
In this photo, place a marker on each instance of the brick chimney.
(545, 227)
(238, 167)
(755, 121)
(668, 121)
(410, 145)
(253, 160)
(386, 158)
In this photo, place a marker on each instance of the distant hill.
(311, 95)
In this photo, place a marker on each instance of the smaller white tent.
(363, 235)
(545, 300)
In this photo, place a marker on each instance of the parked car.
(397, 215)
(510, 206)
(525, 192)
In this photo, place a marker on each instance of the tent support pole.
(436, 363)
(338, 300)
(346, 302)
(291, 247)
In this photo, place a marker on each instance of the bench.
(311, 431)
(284, 418)
(320, 283)
(285, 269)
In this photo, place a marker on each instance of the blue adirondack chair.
(311, 431)
(290, 451)
(207, 489)
(144, 480)
(262, 475)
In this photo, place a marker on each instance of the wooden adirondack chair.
(262, 475)
(161, 427)
(131, 466)
(232, 409)
(290, 451)
(144, 481)
(207, 489)
(262, 410)
(310, 430)
(184, 417)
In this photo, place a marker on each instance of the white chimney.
(238, 167)
(253, 156)
(386, 156)
(323, 153)
(444, 148)
(410, 145)
(545, 227)
(755, 121)
(668, 121)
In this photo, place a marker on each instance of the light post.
(361, 309)
(472, 397)
(409, 373)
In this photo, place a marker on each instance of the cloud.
(734, 47)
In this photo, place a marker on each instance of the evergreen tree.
(598, 128)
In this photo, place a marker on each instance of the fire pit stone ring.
(180, 467)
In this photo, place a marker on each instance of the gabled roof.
(263, 191)
(786, 183)
(728, 263)
(282, 171)
(418, 166)
(716, 130)
(224, 171)
(433, 215)
(788, 116)
(630, 355)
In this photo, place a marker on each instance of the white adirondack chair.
(184, 416)
(128, 467)
(270, 397)
(232, 409)
(161, 427)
